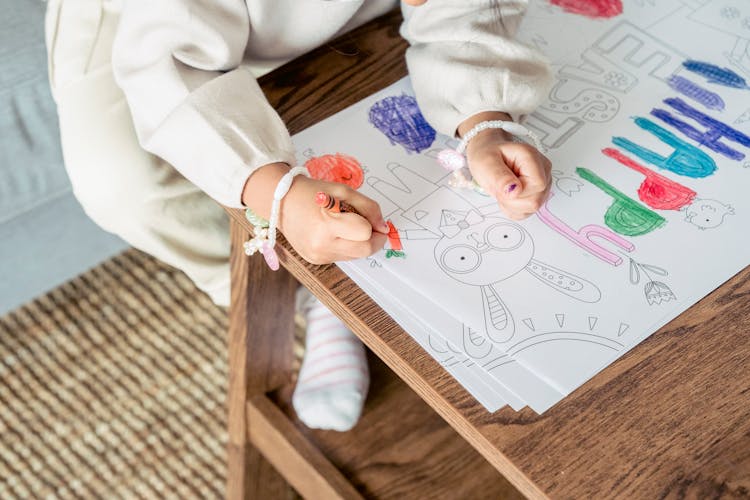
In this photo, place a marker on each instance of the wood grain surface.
(261, 336)
(401, 449)
(671, 419)
(306, 468)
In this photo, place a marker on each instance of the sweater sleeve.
(463, 60)
(178, 64)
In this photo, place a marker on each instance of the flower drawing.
(658, 292)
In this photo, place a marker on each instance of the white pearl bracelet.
(512, 128)
(265, 239)
(282, 188)
(454, 159)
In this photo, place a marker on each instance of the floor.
(104, 398)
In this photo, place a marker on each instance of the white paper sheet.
(517, 385)
(634, 233)
(468, 374)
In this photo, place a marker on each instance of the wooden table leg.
(261, 333)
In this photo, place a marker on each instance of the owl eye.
(504, 236)
(460, 259)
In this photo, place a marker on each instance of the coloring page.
(648, 129)
(451, 343)
(470, 375)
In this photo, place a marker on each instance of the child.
(158, 105)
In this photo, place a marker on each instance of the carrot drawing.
(394, 239)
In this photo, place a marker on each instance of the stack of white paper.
(647, 128)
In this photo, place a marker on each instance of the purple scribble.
(686, 87)
(715, 129)
(400, 119)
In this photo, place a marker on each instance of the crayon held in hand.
(328, 202)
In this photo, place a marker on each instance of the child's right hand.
(319, 236)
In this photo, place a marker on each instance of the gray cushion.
(31, 169)
(45, 237)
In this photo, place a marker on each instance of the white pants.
(124, 189)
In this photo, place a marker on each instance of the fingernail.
(511, 188)
(383, 226)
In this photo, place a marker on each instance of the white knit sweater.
(185, 67)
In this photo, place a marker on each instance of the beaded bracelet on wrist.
(454, 160)
(264, 231)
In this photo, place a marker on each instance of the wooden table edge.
(309, 276)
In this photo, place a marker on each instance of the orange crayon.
(328, 202)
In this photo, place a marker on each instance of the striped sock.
(334, 378)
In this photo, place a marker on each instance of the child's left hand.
(516, 174)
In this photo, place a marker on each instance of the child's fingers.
(348, 249)
(527, 204)
(325, 251)
(524, 206)
(367, 207)
(494, 176)
(532, 167)
(348, 226)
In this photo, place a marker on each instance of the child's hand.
(321, 236)
(516, 174)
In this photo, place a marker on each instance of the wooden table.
(669, 419)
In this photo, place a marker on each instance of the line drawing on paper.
(731, 17)
(596, 69)
(553, 134)
(540, 42)
(583, 237)
(740, 55)
(566, 185)
(615, 62)
(707, 214)
(401, 121)
(473, 248)
(548, 331)
(635, 50)
(556, 342)
(475, 345)
(656, 292)
(448, 356)
(592, 105)
(373, 262)
(743, 118)
(476, 350)
(483, 251)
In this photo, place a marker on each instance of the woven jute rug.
(113, 385)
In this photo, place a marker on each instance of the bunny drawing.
(476, 249)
